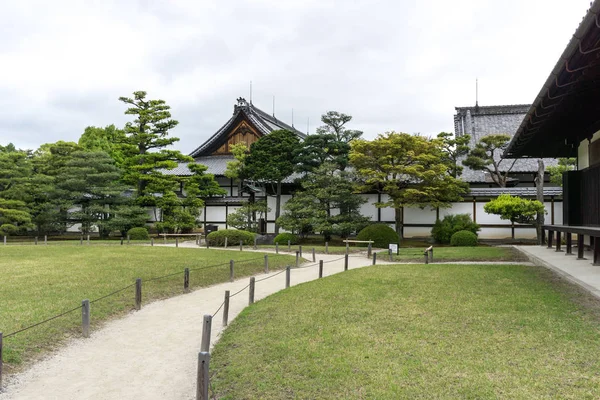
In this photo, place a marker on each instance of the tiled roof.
(521, 165)
(216, 165)
(514, 191)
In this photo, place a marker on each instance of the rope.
(164, 276)
(219, 309)
(39, 323)
(269, 277)
(239, 291)
(113, 293)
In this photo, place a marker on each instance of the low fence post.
(431, 255)
(88, 240)
(36, 240)
(288, 270)
(165, 238)
(320, 268)
(300, 250)
(81, 240)
(374, 258)
(5, 240)
(203, 378)
(226, 308)
(231, 270)
(207, 244)
(426, 258)
(251, 291)
(121, 240)
(1, 362)
(255, 246)
(277, 248)
(85, 318)
(206, 328)
(138, 294)
(390, 254)
(347, 247)
(369, 250)
(266, 263)
(326, 247)
(297, 258)
(346, 262)
(314, 255)
(241, 245)
(289, 245)
(152, 242)
(176, 242)
(45, 240)
(225, 246)
(128, 238)
(186, 280)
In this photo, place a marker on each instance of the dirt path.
(152, 353)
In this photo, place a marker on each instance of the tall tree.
(148, 134)
(487, 156)
(317, 149)
(453, 149)
(270, 161)
(15, 172)
(556, 171)
(334, 123)
(411, 170)
(110, 140)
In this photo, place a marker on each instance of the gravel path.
(152, 353)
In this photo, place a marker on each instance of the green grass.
(39, 282)
(445, 254)
(415, 332)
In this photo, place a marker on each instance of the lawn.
(414, 332)
(39, 282)
(445, 254)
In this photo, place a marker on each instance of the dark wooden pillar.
(552, 210)
(543, 236)
(596, 252)
(569, 244)
(580, 246)
(550, 237)
(474, 209)
(558, 241)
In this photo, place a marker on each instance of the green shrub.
(8, 229)
(382, 235)
(443, 230)
(138, 234)
(463, 238)
(234, 237)
(283, 238)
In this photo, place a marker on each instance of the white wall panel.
(216, 214)
(457, 208)
(368, 209)
(415, 215)
(485, 218)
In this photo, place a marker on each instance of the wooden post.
(186, 280)
(288, 270)
(390, 254)
(255, 246)
(152, 242)
(5, 240)
(314, 255)
(45, 240)
(251, 291)
(165, 238)
(374, 258)
(346, 262)
(431, 254)
(266, 263)
(580, 247)
(231, 270)
(369, 250)
(426, 258)
(203, 381)
(206, 239)
(121, 240)
(558, 241)
(569, 244)
(81, 240)
(128, 238)
(289, 245)
(36, 240)
(226, 308)
(347, 247)
(1, 362)
(225, 242)
(138, 294)
(320, 268)
(241, 245)
(277, 248)
(297, 259)
(596, 251)
(85, 318)
(176, 242)
(550, 238)
(300, 250)
(88, 240)
(326, 247)
(206, 327)
(543, 236)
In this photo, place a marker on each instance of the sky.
(394, 65)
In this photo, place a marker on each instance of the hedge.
(382, 235)
(234, 236)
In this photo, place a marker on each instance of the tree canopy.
(487, 156)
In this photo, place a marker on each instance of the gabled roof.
(262, 121)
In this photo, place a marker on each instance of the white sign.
(393, 248)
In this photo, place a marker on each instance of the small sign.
(393, 247)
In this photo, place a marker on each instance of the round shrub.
(138, 234)
(464, 238)
(443, 230)
(283, 238)
(381, 235)
(234, 237)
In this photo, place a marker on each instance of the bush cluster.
(382, 235)
(234, 237)
(443, 230)
(138, 234)
(283, 238)
(463, 238)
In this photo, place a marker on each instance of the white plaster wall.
(457, 208)
(412, 231)
(415, 215)
(271, 204)
(485, 218)
(216, 213)
(368, 209)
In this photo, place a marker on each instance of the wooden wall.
(242, 133)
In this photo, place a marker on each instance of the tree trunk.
(399, 214)
(539, 184)
(277, 207)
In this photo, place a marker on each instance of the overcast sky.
(393, 65)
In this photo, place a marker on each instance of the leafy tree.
(270, 161)
(487, 156)
(329, 203)
(235, 168)
(148, 135)
(557, 171)
(90, 184)
(245, 217)
(334, 124)
(453, 149)
(320, 148)
(15, 172)
(515, 209)
(110, 140)
(299, 213)
(411, 170)
(126, 216)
